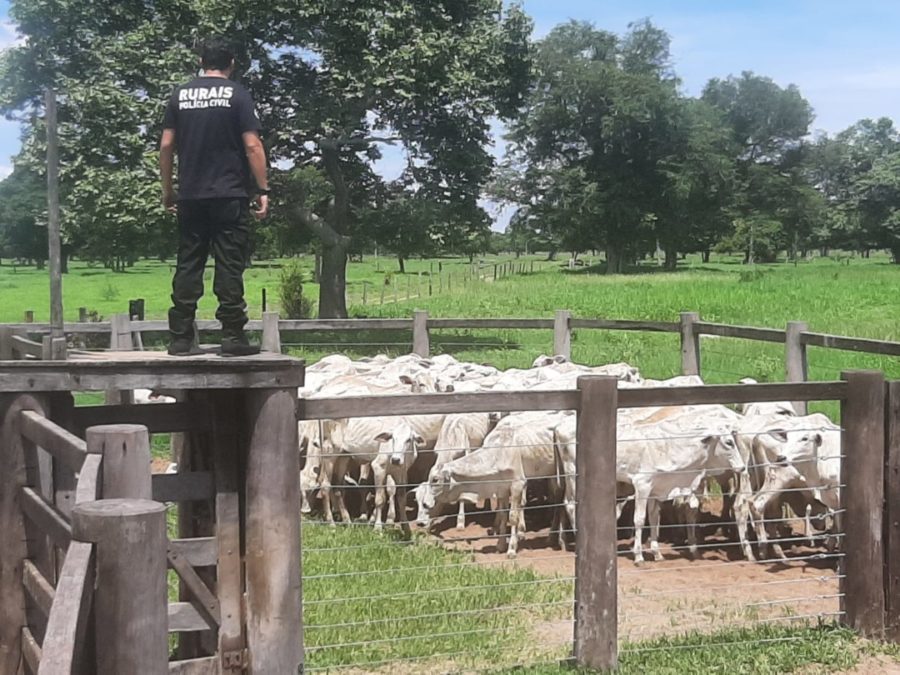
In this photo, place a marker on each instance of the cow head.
(403, 443)
(723, 446)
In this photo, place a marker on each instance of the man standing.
(212, 124)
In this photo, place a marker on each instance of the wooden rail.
(64, 446)
(743, 332)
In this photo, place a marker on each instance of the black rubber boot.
(183, 347)
(235, 343)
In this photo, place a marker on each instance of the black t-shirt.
(209, 116)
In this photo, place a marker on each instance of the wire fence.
(440, 599)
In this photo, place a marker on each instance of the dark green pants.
(220, 227)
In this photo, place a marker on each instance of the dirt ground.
(718, 590)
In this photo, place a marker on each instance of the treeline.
(609, 154)
(605, 151)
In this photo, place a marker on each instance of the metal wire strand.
(725, 544)
(422, 568)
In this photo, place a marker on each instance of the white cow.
(518, 449)
(459, 435)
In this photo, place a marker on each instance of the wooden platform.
(99, 371)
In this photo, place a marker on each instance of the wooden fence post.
(795, 364)
(271, 337)
(690, 344)
(562, 335)
(120, 338)
(365, 286)
(421, 339)
(130, 603)
(53, 348)
(29, 316)
(126, 459)
(6, 348)
(272, 540)
(596, 569)
(862, 474)
(892, 510)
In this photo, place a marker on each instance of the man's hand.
(262, 202)
(169, 201)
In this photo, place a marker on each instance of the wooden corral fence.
(237, 552)
(125, 334)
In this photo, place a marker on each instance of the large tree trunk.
(895, 254)
(705, 256)
(402, 264)
(615, 260)
(333, 281)
(671, 259)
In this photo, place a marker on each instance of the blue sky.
(844, 56)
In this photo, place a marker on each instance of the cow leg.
(640, 515)
(653, 509)
(338, 477)
(742, 514)
(401, 496)
(461, 516)
(775, 511)
(501, 520)
(516, 517)
(380, 476)
(390, 488)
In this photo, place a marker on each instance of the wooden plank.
(183, 617)
(25, 347)
(424, 404)
(892, 511)
(203, 599)
(126, 459)
(207, 665)
(883, 347)
(620, 324)
(62, 404)
(64, 446)
(159, 418)
(421, 341)
(742, 332)
(562, 333)
(13, 550)
(796, 367)
(74, 327)
(513, 401)
(862, 473)
(201, 372)
(88, 487)
(67, 625)
(511, 324)
(130, 602)
(272, 533)
(31, 650)
(199, 551)
(229, 417)
(45, 518)
(271, 337)
(189, 486)
(596, 567)
(344, 324)
(690, 344)
(37, 587)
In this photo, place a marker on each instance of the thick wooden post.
(272, 536)
(130, 603)
(596, 570)
(126, 459)
(120, 333)
(421, 340)
(54, 257)
(892, 510)
(6, 347)
(862, 474)
(271, 338)
(29, 316)
(795, 365)
(690, 344)
(562, 335)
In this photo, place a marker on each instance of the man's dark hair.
(216, 54)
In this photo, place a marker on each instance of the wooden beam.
(37, 587)
(64, 639)
(88, 487)
(690, 344)
(31, 650)
(45, 518)
(159, 418)
(183, 617)
(562, 333)
(207, 665)
(203, 599)
(53, 217)
(199, 551)
(892, 510)
(189, 486)
(201, 372)
(862, 473)
(596, 569)
(883, 347)
(511, 324)
(620, 324)
(796, 367)
(64, 446)
(742, 332)
(25, 347)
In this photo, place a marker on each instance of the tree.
(23, 227)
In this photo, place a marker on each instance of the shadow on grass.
(647, 269)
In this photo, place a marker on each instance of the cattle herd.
(766, 460)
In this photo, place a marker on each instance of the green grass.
(366, 591)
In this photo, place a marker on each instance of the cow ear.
(384, 436)
(818, 439)
(779, 435)
(449, 389)
(406, 379)
(706, 440)
(419, 440)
